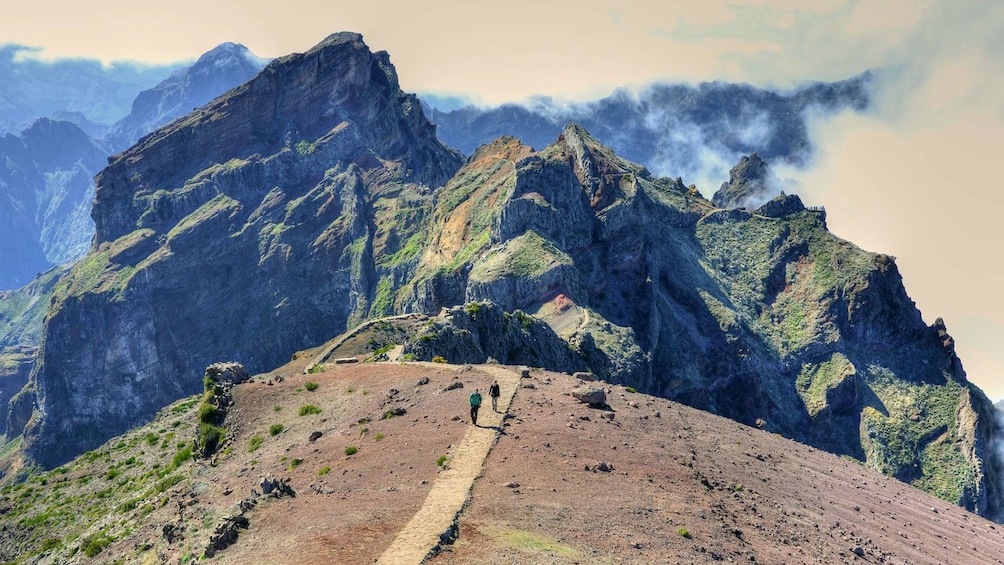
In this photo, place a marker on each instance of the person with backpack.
(475, 405)
(494, 393)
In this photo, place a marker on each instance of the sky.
(916, 176)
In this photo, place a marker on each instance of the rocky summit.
(316, 197)
(246, 227)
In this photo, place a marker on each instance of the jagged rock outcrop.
(475, 332)
(217, 71)
(245, 229)
(747, 185)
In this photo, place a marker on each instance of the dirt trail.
(449, 493)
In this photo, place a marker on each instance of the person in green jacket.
(475, 405)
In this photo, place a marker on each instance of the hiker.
(493, 392)
(475, 405)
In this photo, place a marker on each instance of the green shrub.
(254, 443)
(184, 454)
(351, 450)
(683, 532)
(295, 463)
(312, 386)
(276, 429)
(209, 413)
(323, 471)
(378, 437)
(278, 408)
(152, 438)
(316, 368)
(308, 409)
(630, 389)
(441, 461)
(210, 437)
(95, 544)
(439, 359)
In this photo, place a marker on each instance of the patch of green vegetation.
(254, 443)
(219, 205)
(311, 386)
(308, 409)
(185, 405)
(465, 255)
(473, 308)
(276, 429)
(95, 544)
(316, 368)
(210, 437)
(294, 463)
(277, 408)
(351, 450)
(528, 255)
(815, 381)
(379, 436)
(536, 543)
(916, 421)
(439, 359)
(305, 147)
(683, 532)
(441, 461)
(383, 301)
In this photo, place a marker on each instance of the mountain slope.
(244, 227)
(682, 485)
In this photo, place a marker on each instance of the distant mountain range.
(317, 196)
(47, 169)
(694, 132)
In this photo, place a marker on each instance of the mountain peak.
(230, 51)
(747, 185)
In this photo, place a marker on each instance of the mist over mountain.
(694, 132)
(31, 88)
(317, 196)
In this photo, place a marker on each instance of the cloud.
(917, 175)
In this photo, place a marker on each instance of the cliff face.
(243, 230)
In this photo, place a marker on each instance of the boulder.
(591, 395)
